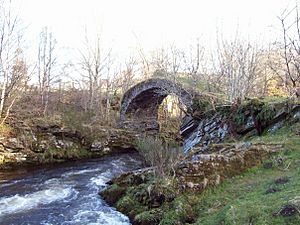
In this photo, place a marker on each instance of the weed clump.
(163, 156)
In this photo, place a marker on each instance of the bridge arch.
(142, 101)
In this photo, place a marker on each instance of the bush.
(163, 156)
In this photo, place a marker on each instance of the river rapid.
(63, 194)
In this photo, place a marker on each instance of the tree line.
(95, 81)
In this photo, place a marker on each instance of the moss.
(267, 113)
(53, 154)
(126, 204)
(170, 218)
(239, 118)
(152, 193)
(143, 203)
(140, 193)
(180, 211)
(113, 193)
(130, 206)
(244, 110)
(152, 217)
(238, 112)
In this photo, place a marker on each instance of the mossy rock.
(113, 193)
(154, 194)
(129, 206)
(181, 211)
(126, 204)
(151, 217)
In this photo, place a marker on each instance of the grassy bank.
(255, 197)
(258, 196)
(248, 199)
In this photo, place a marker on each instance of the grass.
(243, 199)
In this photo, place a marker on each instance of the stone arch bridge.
(140, 104)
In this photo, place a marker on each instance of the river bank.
(35, 141)
(245, 188)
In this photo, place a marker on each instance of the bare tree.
(17, 81)
(127, 74)
(12, 67)
(290, 53)
(94, 64)
(237, 67)
(160, 61)
(46, 62)
(167, 62)
(194, 64)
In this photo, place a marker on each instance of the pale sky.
(151, 23)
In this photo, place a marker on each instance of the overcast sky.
(151, 23)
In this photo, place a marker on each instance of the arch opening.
(141, 103)
(170, 114)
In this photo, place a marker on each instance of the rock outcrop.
(220, 161)
(248, 119)
(43, 143)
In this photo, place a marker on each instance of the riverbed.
(64, 193)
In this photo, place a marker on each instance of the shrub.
(163, 156)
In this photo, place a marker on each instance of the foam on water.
(66, 196)
(6, 183)
(101, 179)
(79, 172)
(18, 203)
(103, 218)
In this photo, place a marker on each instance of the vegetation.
(257, 196)
(57, 155)
(163, 156)
(242, 69)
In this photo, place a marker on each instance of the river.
(63, 194)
